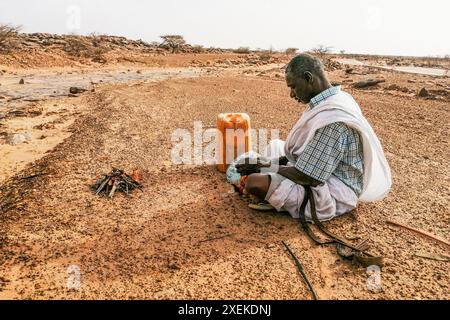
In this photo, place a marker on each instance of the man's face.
(300, 88)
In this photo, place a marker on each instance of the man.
(332, 148)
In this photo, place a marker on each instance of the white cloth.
(341, 107)
(332, 197)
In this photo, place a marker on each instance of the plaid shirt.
(335, 149)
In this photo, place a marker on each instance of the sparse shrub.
(98, 54)
(291, 51)
(7, 37)
(321, 50)
(172, 41)
(242, 50)
(87, 47)
(198, 49)
(265, 56)
(77, 46)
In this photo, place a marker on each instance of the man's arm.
(297, 176)
(247, 167)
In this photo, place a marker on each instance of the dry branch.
(432, 236)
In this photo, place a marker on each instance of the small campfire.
(117, 181)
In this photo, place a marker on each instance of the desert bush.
(98, 54)
(172, 41)
(242, 50)
(321, 50)
(265, 56)
(198, 49)
(291, 51)
(77, 46)
(8, 34)
(87, 47)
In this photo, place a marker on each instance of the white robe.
(332, 197)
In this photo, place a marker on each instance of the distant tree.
(173, 41)
(243, 50)
(291, 51)
(198, 49)
(321, 50)
(342, 52)
(7, 34)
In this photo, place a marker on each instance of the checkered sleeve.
(324, 152)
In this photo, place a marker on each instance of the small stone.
(18, 138)
(423, 93)
(23, 257)
(172, 265)
(21, 81)
(75, 90)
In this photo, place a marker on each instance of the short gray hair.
(305, 62)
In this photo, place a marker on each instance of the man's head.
(306, 77)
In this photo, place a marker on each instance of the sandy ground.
(186, 235)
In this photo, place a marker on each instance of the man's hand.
(248, 166)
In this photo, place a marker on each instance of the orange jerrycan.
(233, 138)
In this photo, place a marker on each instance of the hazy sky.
(403, 27)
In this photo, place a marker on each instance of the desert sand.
(187, 235)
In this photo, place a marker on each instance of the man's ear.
(308, 77)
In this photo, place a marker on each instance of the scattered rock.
(23, 257)
(173, 265)
(18, 113)
(21, 81)
(367, 83)
(75, 90)
(423, 93)
(393, 87)
(2, 115)
(18, 138)
(397, 88)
